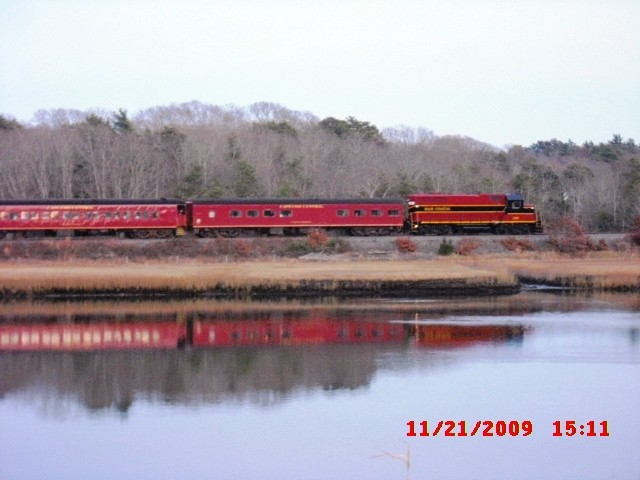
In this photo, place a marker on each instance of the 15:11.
(569, 428)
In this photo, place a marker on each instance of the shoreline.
(303, 290)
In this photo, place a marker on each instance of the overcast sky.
(503, 72)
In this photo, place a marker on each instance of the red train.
(244, 333)
(420, 214)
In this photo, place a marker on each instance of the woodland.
(197, 150)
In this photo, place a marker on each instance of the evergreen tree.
(245, 180)
(351, 126)
(121, 122)
(7, 123)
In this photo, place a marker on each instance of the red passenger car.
(292, 216)
(99, 336)
(294, 332)
(444, 214)
(136, 218)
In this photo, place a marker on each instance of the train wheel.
(162, 233)
(227, 232)
(142, 234)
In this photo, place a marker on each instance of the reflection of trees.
(262, 375)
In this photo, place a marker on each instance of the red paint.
(294, 332)
(51, 215)
(438, 213)
(296, 214)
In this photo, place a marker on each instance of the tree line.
(195, 150)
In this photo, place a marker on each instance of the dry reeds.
(604, 271)
(192, 278)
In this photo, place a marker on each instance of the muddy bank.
(432, 288)
(576, 283)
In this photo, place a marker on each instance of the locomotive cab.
(515, 202)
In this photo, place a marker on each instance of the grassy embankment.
(456, 275)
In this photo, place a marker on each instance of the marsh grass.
(602, 271)
(54, 277)
(405, 458)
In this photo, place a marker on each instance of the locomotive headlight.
(411, 204)
(198, 221)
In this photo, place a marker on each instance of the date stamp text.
(504, 428)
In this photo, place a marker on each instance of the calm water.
(321, 391)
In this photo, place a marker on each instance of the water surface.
(320, 391)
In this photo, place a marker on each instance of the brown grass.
(97, 276)
(597, 271)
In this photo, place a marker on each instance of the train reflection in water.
(198, 333)
(110, 357)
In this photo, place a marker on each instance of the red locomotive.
(436, 213)
(422, 214)
(449, 336)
